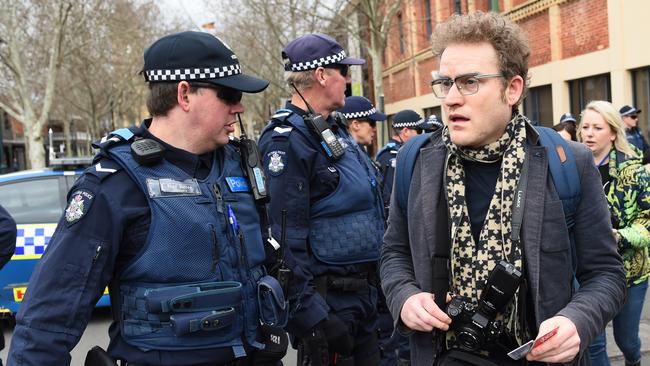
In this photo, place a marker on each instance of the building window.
(427, 17)
(401, 33)
(457, 7)
(583, 91)
(538, 105)
(641, 97)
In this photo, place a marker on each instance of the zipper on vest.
(215, 250)
(98, 252)
(217, 194)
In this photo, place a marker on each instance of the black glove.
(337, 335)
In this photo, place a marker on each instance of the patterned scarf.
(471, 262)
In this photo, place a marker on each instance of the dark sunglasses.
(343, 69)
(229, 96)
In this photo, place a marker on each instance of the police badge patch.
(277, 162)
(78, 206)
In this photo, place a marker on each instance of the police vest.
(194, 284)
(347, 226)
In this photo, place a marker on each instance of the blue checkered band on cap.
(409, 124)
(323, 61)
(357, 115)
(193, 73)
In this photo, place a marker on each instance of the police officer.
(335, 222)
(7, 248)
(166, 218)
(430, 124)
(362, 118)
(406, 124)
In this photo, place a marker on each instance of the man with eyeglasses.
(483, 222)
(334, 213)
(630, 116)
(167, 219)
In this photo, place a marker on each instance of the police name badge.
(237, 184)
(78, 206)
(277, 162)
(169, 187)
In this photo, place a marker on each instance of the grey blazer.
(410, 239)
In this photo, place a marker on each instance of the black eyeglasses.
(343, 69)
(634, 117)
(467, 84)
(229, 96)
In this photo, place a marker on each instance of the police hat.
(314, 50)
(406, 119)
(361, 108)
(197, 56)
(627, 110)
(567, 117)
(430, 123)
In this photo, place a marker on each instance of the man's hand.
(562, 347)
(421, 313)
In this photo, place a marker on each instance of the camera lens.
(468, 340)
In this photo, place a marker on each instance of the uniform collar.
(195, 165)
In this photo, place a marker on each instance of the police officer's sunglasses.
(343, 69)
(229, 96)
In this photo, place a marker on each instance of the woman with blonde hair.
(626, 183)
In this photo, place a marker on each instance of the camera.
(474, 325)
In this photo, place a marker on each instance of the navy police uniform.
(334, 213)
(178, 239)
(386, 156)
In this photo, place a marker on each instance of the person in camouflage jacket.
(626, 184)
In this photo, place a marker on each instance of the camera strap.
(520, 200)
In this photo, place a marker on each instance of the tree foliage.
(64, 60)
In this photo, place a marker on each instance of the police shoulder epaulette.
(103, 168)
(281, 114)
(117, 136)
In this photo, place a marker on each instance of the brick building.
(581, 50)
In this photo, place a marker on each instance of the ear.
(354, 125)
(320, 75)
(182, 95)
(514, 90)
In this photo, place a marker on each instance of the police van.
(35, 199)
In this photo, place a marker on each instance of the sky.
(188, 11)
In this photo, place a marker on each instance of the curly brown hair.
(507, 38)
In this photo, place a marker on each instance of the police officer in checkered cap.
(334, 224)
(163, 217)
(362, 118)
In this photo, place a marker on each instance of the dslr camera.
(474, 325)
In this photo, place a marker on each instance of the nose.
(454, 97)
(237, 108)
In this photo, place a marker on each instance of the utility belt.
(349, 283)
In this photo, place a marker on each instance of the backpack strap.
(564, 171)
(404, 167)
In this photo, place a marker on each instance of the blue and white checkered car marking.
(32, 239)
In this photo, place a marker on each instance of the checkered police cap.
(197, 56)
(406, 119)
(314, 50)
(357, 107)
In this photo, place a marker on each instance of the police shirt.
(105, 224)
(386, 160)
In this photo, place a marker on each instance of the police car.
(35, 199)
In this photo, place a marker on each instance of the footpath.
(615, 355)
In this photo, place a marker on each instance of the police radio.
(331, 145)
(252, 165)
